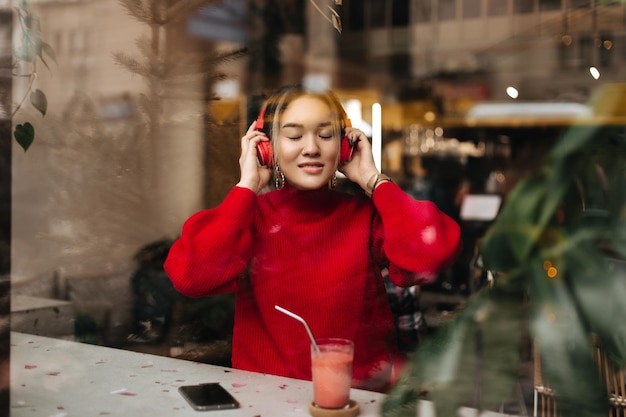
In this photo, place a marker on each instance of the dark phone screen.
(210, 396)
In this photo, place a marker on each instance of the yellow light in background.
(547, 265)
(429, 116)
(552, 272)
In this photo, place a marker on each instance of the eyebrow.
(298, 125)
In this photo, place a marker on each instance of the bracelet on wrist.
(373, 183)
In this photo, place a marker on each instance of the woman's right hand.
(253, 175)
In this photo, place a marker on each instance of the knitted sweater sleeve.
(416, 238)
(214, 247)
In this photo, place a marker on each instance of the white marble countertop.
(59, 378)
(25, 302)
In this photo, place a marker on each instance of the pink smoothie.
(332, 375)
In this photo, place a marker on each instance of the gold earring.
(332, 184)
(279, 177)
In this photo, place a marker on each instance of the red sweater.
(315, 254)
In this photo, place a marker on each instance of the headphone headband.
(264, 148)
(260, 121)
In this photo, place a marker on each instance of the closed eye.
(326, 133)
(293, 132)
(296, 131)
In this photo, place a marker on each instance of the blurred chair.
(613, 379)
(543, 398)
(545, 404)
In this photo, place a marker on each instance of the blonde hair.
(278, 102)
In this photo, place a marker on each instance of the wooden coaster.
(351, 411)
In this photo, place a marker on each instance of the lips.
(311, 167)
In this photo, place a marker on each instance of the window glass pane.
(497, 7)
(447, 9)
(549, 4)
(606, 50)
(356, 17)
(377, 13)
(579, 4)
(400, 13)
(566, 52)
(424, 11)
(471, 8)
(585, 51)
(400, 65)
(523, 6)
(128, 151)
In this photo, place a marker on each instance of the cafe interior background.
(122, 123)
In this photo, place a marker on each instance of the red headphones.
(265, 154)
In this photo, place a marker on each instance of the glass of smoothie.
(332, 372)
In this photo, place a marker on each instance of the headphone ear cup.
(264, 153)
(346, 150)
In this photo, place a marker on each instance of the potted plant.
(557, 249)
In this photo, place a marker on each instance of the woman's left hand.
(361, 167)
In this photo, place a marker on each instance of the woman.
(308, 248)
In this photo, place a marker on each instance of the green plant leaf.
(402, 400)
(449, 364)
(618, 237)
(520, 224)
(501, 338)
(433, 368)
(39, 101)
(599, 285)
(24, 135)
(49, 51)
(564, 344)
(557, 241)
(44, 47)
(575, 139)
(25, 50)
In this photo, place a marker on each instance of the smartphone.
(209, 396)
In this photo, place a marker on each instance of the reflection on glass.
(122, 157)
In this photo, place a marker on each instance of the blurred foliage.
(332, 16)
(170, 74)
(557, 249)
(30, 50)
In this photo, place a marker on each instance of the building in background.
(424, 64)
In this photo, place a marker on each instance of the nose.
(310, 147)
